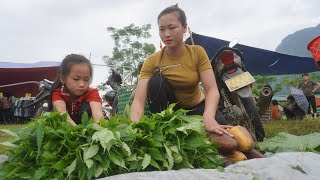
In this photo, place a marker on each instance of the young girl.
(71, 93)
(173, 75)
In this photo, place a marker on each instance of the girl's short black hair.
(182, 16)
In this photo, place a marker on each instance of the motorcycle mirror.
(233, 42)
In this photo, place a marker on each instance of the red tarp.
(17, 75)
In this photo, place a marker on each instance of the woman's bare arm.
(139, 101)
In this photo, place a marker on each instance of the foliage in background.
(101, 87)
(281, 83)
(130, 48)
(51, 148)
(261, 81)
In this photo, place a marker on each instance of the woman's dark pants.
(160, 94)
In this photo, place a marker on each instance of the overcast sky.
(48, 30)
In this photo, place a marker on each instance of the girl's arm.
(211, 103)
(62, 108)
(96, 109)
(139, 101)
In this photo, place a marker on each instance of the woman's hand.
(211, 125)
(71, 121)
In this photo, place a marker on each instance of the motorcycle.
(42, 99)
(235, 86)
(110, 99)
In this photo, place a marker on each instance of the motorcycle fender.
(42, 96)
(244, 92)
(229, 76)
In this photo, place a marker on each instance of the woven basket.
(125, 98)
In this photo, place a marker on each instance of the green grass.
(296, 127)
(5, 137)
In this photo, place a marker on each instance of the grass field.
(296, 127)
(4, 137)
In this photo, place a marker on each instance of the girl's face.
(78, 80)
(171, 30)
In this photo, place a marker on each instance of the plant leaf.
(146, 161)
(40, 173)
(60, 165)
(40, 135)
(169, 157)
(71, 167)
(89, 163)
(126, 147)
(98, 172)
(117, 159)
(105, 137)
(90, 152)
(9, 144)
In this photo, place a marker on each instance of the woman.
(173, 75)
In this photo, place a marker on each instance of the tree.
(130, 48)
(261, 81)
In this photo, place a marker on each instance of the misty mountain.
(296, 43)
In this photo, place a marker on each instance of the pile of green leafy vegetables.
(51, 148)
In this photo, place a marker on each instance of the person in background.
(71, 93)
(292, 110)
(309, 88)
(276, 110)
(172, 75)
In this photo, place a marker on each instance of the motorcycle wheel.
(40, 111)
(251, 110)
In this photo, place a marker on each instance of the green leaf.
(40, 173)
(71, 167)
(169, 157)
(155, 164)
(92, 151)
(85, 119)
(117, 159)
(126, 148)
(60, 164)
(9, 144)
(89, 163)
(133, 157)
(284, 142)
(194, 141)
(40, 135)
(98, 171)
(90, 172)
(192, 123)
(105, 137)
(146, 161)
(97, 127)
(176, 154)
(156, 154)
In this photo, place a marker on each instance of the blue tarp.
(259, 61)
(29, 65)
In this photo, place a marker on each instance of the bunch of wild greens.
(51, 148)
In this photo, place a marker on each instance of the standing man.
(309, 87)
